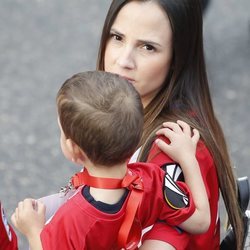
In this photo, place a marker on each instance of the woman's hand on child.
(29, 217)
(183, 140)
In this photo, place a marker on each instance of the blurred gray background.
(43, 42)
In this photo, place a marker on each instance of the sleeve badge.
(173, 194)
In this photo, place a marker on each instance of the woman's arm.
(156, 244)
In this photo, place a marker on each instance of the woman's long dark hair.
(186, 90)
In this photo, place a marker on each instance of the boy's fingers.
(166, 132)
(34, 204)
(28, 203)
(173, 126)
(20, 205)
(13, 219)
(162, 145)
(41, 208)
(196, 135)
(185, 127)
(16, 213)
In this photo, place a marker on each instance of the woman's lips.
(128, 79)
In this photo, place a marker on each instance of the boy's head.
(102, 113)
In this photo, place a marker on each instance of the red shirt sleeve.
(157, 200)
(62, 232)
(8, 238)
(178, 216)
(166, 233)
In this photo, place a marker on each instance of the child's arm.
(29, 219)
(182, 149)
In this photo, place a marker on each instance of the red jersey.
(79, 225)
(206, 241)
(8, 239)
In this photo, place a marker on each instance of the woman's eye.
(116, 37)
(149, 47)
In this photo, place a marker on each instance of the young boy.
(100, 116)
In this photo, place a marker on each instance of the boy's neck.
(117, 171)
(108, 196)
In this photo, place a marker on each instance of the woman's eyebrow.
(142, 41)
(116, 32)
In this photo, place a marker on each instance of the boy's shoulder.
(140, 167)
(149, 172)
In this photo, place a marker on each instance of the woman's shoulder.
(203, 154)
(156, 156)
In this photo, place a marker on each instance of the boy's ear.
(69, 145)
(77, 154)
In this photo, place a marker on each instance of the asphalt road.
(42, 42)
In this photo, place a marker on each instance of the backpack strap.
(132, 182)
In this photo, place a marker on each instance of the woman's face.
(140, 47)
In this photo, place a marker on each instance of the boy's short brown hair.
(102, 113)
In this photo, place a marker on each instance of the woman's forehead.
(145, 20)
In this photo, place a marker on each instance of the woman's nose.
(126, 59)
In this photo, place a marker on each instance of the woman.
(158, 46)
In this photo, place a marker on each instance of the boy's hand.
(183, 140)
(29, 217)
